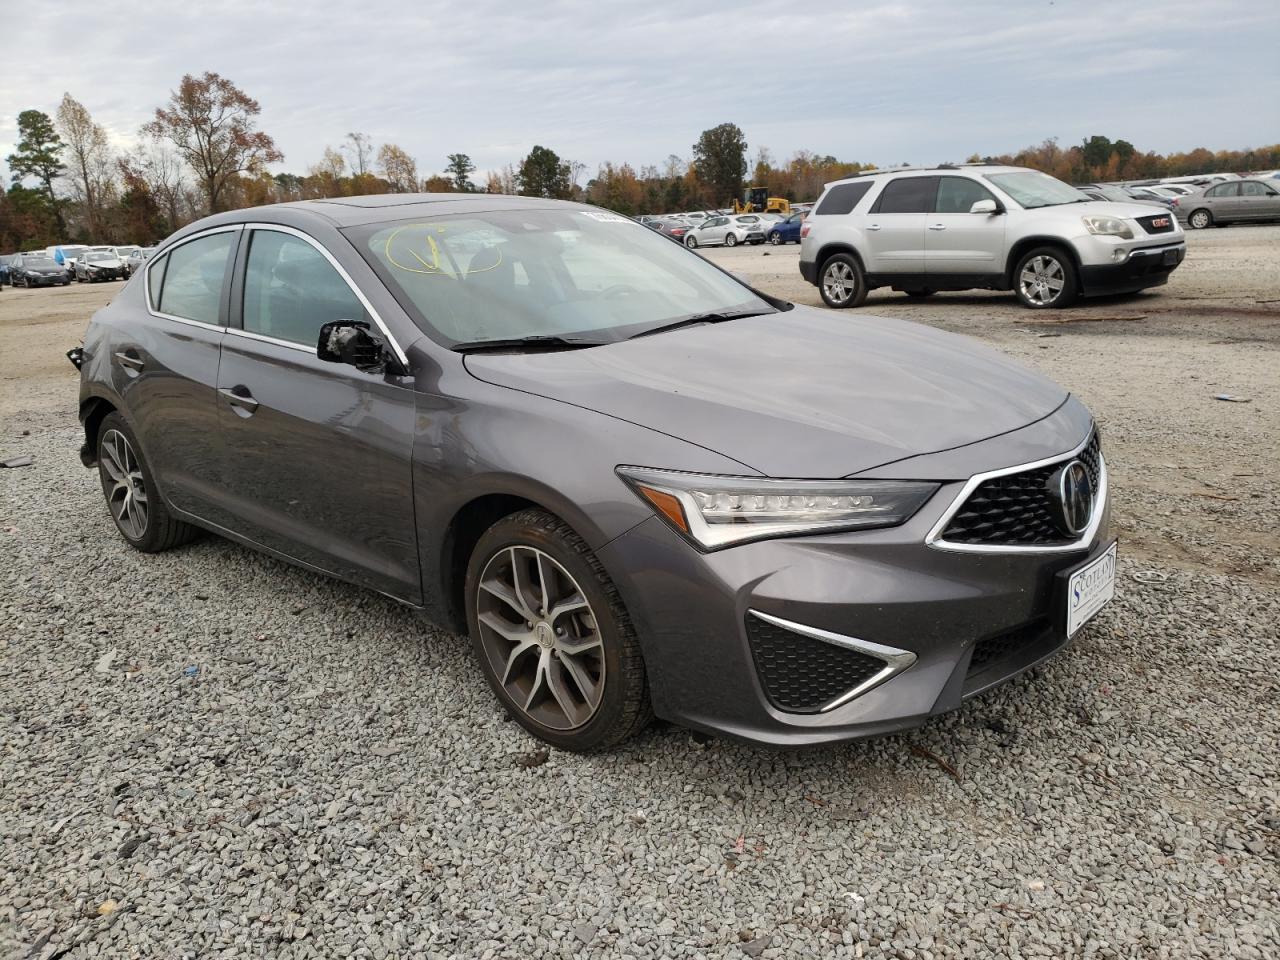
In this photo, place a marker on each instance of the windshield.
(98, 257)
(39, 263)
(1031, 189)
(574, 273)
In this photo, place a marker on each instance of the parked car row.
(58, 266)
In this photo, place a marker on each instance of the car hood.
(804, 393)
(1115, 208)
(104, 264)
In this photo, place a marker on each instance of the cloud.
(607, 80)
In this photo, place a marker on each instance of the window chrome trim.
(935, 540)
(164, 251)
(895, 660)
(263, 338)
(333, 262)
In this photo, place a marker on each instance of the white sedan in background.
(729, 231)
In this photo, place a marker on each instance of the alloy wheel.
(1042, 280)
(839, 282)
(124, 486)
(775, 239)
(1200, 219)
(541, 637)
(730, 240)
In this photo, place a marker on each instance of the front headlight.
(1107, 227)
(714, 511)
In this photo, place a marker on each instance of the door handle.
(937, 226)
(874, 226)
(240, 399)
(130, 360)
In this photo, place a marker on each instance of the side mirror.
(984, 206)
(349, 341)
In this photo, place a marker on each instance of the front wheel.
(1199, 219)
(552, 636)
(1045, 277)
(842, 283)
(691, 242)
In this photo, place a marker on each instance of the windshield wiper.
(717, 317)
(533, 342)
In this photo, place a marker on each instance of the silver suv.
(982, 226)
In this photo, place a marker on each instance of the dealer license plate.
(1090, 589)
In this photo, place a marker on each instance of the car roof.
(383, 207)
(934, 171)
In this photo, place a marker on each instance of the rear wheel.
(552, 636)
(130, 491)
(730, 240)
(776, 239)
(1200, 219)
(1045, 277)
(842, 283)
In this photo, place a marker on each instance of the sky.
(915, 81)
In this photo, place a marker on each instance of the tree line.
(203, 152)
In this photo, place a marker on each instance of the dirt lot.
(209, 753)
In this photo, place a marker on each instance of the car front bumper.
(44, 280)
(1144, 267)
(964, 621)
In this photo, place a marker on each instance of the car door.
(713, 230)
(317, 456)
(960, 242)
(1223, 201)
(895, 226)
(165, 368)
(1256, 202)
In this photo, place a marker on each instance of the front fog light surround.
(1107, 227)
(1120, 255)
(716, 511)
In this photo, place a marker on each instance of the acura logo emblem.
(1073, 490)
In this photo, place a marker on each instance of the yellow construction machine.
(757, 200)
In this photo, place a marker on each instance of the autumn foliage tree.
(90, 164)
(212, 124)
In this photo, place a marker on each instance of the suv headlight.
(714, 511)
(1108, 227)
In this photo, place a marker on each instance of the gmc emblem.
(1160, 222)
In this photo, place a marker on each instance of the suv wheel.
(1200, 219)
(1044, 278)
(842, 283)
(131, 494)
(552, 636)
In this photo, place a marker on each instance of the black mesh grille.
(1004, 645)
(800, 674)
(1149, 223)
(1018, 508)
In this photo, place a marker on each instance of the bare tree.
(397, 168)
(212, 124)
(359, 147)
(161, 170)
(89, 163)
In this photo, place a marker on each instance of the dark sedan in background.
(639, 485)
(27, 271)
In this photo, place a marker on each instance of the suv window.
(842, 198)
(193, 280)
(907, 195)
(958, 194)
(291, 289)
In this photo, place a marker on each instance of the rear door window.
(195, 276)
(842, 198)
(907, 195)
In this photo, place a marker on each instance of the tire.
(842, 283)
(691, 243)
(926, 292)
(123, 472)
(1045, 278)
(730, 240)
(1199, 218)
(776, 239)
(535, 549)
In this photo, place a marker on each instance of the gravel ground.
(209, 753)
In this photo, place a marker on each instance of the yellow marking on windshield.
(431, 268)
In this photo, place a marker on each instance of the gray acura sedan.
(640, 486)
